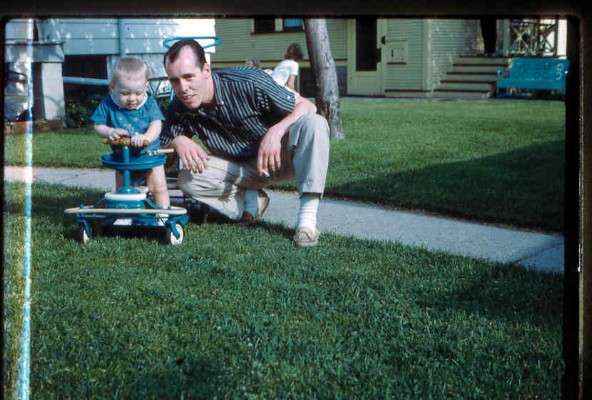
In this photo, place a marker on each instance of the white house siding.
(405, 75)
(89, 37)
(97, 36)
(100, 36)
(240, 44)
(447, 39)
(337, 29)
(17, 29)
(142, 37)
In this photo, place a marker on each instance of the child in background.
(128, 111)
(286, 71)
(253, 62)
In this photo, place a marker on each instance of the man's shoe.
(306, 237)
(263, 202)
(247, 218)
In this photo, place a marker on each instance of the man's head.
(172, 54)
(189, 73)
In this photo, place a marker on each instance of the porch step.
(466, 85)
(471, 77)
(476, 69)
(461, 94)
(477, 60)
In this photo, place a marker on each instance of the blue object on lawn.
(534, 73)
(130, 207)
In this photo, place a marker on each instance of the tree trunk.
(323, 68)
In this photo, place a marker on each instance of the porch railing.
(530, 37)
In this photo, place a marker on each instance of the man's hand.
(194, 158)
(270, 150)
(269, 157)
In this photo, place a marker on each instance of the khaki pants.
(305, 155)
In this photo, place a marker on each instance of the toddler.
(128, 111)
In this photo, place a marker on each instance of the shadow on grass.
(367, 293)
(498, 292)
(49, 202)
(493, 292)
(186, 377)
(493, 189)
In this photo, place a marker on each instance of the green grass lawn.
(490, 161)
(237, 312)
(494, 161)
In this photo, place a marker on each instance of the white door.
(364, 66)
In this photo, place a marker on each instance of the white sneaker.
(306, 236)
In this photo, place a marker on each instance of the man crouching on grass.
(256, 131)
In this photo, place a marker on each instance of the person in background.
(489, 34)
(253, 62)
(128, 111)
(286, 71)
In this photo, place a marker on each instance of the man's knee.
(316, 123)
(309, 128)
(202, 184)
(185, 182)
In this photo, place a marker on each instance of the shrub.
(79, 110)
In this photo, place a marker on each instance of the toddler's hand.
(117, 133)
(138, 140)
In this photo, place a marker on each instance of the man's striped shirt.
(248, 103)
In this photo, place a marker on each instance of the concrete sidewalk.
(539, 251)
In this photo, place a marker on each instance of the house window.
(264, 25)
(293, 24)
(272, 25)
(84, 66)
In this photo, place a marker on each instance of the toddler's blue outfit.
(134, 121)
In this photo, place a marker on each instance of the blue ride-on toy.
(130, 207)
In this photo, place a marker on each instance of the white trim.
(91, 210)
(123, 196)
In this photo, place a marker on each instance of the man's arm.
(291, 81)
(174, 135)
(269, 156)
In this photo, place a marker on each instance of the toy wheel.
(170, 237)
(83, 235)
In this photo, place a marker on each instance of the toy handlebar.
(124, 141)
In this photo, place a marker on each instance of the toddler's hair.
(131, 67)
